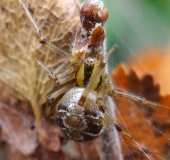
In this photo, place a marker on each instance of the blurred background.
(135, 25)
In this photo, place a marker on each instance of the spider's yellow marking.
(82, 78)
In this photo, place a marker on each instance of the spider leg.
(61, 78)
(107, 89)
(102, 107)
(57, 80)
(120, 129)
(41, 39)
(51, 97)
(116, 94)
(100, 103)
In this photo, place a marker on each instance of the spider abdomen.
(80, 123)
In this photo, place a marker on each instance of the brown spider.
(81, 112)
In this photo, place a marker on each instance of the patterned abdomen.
(77, 122)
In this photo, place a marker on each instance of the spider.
(81, 113)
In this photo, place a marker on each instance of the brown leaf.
(25, 85)
(50, 136)
(18, 128)
(40, 154)
(149, 125)
(155, 62)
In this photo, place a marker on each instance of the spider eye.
(89, 62)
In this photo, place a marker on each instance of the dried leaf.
(50, 136)
(153, 61)
(18, 127)
(40, 154)
(19, 46)
(25, 85)
(148, 124)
